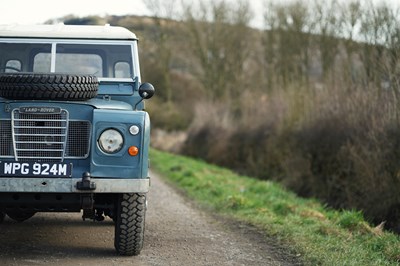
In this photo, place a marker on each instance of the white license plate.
(34, 169)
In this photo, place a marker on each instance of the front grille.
(44, 137)
(6, 144)
(78, 139)
(39, 136)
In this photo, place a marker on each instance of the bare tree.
(379, 28)
(163, 11)
(327, 26)
(218, 35)
(350, 20)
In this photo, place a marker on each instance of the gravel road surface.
(177, 233)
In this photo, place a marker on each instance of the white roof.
(67, 32)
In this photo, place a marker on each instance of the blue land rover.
(74, 136)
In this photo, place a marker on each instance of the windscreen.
(101, 60)
(98, 60)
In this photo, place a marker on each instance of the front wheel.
(129, 224)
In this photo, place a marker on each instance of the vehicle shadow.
(55, 236)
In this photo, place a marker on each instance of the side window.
(13, 66)
(122, 70)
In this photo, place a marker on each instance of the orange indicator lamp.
(133, 150)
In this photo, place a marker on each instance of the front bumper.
(69, 185)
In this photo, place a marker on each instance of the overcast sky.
(39, 11)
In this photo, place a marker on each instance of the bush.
(343, 150)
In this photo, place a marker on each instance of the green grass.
(319, 235)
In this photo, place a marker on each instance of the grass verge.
(319, 235)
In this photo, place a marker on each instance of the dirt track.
(177, 233)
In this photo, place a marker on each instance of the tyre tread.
(129, 228)
(32, 86)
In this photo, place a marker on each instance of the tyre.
(20, 216)
(2, 215)
(129, 225)
(58, 87)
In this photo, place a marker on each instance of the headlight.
(111, 141)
